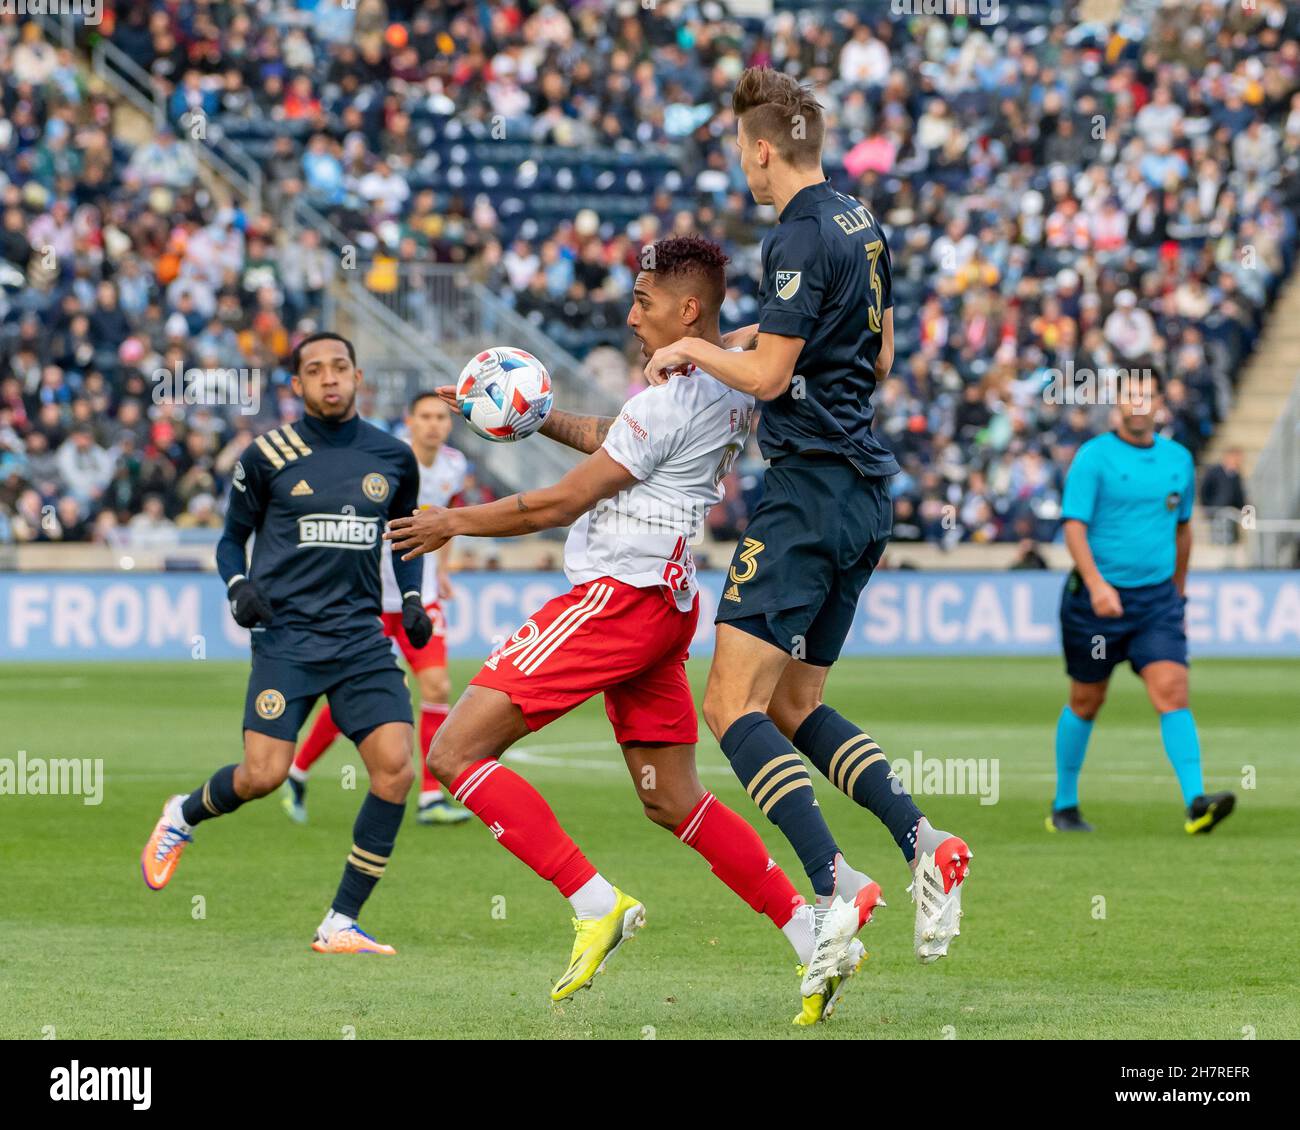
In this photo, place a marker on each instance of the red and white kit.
(440, 482)
(625, 627)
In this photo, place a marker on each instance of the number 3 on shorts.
(749, 551)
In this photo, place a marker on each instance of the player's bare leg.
(433, 806)
(386, 752)
(745, 673)
(465, 753)
(320, 737)
(1166, 683)
(854, 763)
(266, 761)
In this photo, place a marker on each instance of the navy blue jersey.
(318, 496)
(826, 279)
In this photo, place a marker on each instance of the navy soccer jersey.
(826, 279)
(318, 496)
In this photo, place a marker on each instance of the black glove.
(247, 605)
(415, 621)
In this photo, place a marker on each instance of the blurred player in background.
(316, 494)
(824, 337)
(442, 474)
(1127, 511)
(635, 505)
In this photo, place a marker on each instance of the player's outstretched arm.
(597, 477)
(582, 433)
(764, 372)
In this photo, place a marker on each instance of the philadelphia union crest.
(270, 704)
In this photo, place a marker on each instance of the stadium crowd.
(1064, 195)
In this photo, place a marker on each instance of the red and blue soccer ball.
(504, 394)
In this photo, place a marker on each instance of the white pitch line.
(530, 757)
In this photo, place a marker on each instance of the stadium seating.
(1047, 212)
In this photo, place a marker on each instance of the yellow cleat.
(818, 1007)
(351, 939)
(1206, 811)
(597, 940)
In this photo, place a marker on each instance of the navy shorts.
(1151, 629)
(814, 540)
(364, 692)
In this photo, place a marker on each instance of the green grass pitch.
(1191, 940)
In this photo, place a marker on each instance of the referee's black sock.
(854, 764)
(215, 797)
(373, 836)
(777, 781)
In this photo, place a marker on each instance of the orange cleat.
(163, 851)
(351, 939)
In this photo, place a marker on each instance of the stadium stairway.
(1270, 376)
(1264, 424)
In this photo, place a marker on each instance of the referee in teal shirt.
(1127, 508)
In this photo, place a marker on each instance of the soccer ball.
(504, 394)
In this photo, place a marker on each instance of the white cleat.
(853, 959)
(836, 924)
(936, 890)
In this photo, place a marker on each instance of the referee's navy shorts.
(1150, 629)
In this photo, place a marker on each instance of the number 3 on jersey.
(874, 248)
(749, 552)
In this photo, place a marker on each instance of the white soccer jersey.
(440, 482)
(680, 440)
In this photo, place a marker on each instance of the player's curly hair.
(783, 112)
(691, 255)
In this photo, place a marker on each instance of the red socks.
(737, 855)
(523, 823)
(431, 717)
(320, 738)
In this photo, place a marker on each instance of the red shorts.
(603, 636)
(432, 654)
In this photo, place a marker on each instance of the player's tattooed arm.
(582, 433)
